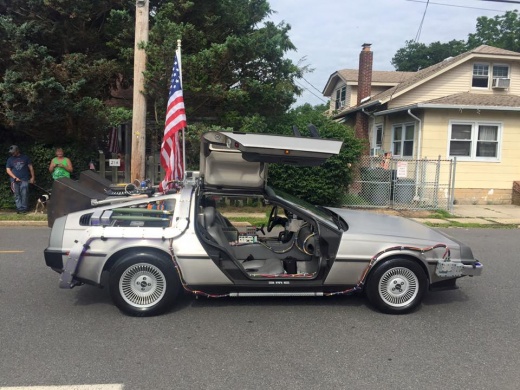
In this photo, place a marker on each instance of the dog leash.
(42, 189)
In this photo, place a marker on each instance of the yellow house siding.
(514, 74)
(454, 81)
(353, 95)
(476, 174)
(397, 119)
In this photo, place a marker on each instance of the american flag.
(171, 153)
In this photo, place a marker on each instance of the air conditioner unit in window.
(500, 82)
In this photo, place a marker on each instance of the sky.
(328, 34)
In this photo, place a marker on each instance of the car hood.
(369, 223)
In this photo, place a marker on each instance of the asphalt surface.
(461, 339)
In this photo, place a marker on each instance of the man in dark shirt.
(21, 172)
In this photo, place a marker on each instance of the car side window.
(148, 214)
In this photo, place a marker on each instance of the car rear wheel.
(396, 286)
(144, 284)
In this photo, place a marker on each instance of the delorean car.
(155, 247)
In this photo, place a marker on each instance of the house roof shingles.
(477, 99)
(378, 76)
(423, 74)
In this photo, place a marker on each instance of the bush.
(326, 184)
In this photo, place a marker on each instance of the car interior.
(286, 247)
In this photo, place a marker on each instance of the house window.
(341, 95)
(501, 71)
(480, 76)
(377, 140)
(378, 136)
(476, 141)
(402, 140)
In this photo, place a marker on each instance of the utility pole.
(138, 156)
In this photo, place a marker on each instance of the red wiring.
(361, 281)
(358, 286)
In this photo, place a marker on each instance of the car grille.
(85, 219)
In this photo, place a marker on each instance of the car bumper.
(453, 269)
(54, 259)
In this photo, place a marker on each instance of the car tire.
(144, 284)
(396, 286)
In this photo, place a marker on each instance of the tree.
(416, 56)
(325, 184)
(57, 68)
(61, 60)
(233, 62)
(500, 31)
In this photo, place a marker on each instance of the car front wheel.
(396, 286)
(144, 284)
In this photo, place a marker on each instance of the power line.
(458, 6)
(308, 90)
(503, 1)
(418, 35)
(310, 84)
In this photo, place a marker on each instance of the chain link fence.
(402, 184)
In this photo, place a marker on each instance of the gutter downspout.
(419, 137)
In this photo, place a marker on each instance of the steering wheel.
(274, 219)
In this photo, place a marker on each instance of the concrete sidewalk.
(480, 214)
(506, 214)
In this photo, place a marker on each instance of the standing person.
(20, 170)
(60, 165)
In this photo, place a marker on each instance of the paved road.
(463, 339)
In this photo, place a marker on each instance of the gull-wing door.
(239, 160)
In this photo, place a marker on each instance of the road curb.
(23, 223)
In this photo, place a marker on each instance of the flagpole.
(178, 52)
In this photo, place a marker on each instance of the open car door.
(239, 160)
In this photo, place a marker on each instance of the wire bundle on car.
(361, 281)
(357, 287)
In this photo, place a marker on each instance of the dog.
(41, 204)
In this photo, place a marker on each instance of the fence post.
(452, 184)
(113, 170)
(436, 187)
(101, 163)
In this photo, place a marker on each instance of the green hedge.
(325, 184)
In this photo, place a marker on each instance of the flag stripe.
(171, 152)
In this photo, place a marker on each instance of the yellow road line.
(70, 387)
(11, 252)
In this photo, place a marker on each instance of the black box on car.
(94, 181)
(69, 196)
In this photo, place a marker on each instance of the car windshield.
(321, 212)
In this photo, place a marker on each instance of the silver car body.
(329, 251)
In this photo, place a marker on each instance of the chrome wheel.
(142, 285)
(398, 287)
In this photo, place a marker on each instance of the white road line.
(115, 386)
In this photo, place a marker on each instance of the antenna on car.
(313, 130)
(296, 131)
